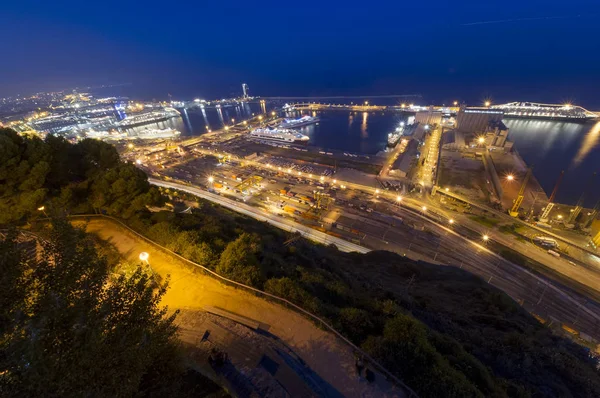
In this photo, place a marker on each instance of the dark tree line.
(63, 177)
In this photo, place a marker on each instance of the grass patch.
(486, 221)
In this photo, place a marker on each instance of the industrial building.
(477, 119)
(429, 116)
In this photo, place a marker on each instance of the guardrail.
(409, 392)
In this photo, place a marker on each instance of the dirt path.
(324, 353)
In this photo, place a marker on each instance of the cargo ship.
(148, 117)
(279, 135)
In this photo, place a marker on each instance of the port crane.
(514, 211)
(579, 205)
(550, 205)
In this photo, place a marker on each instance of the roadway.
(258, 214)
(533, 292)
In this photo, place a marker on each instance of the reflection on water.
(552, 146)
(590, 142)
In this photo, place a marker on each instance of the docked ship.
(295, 123)
(394, 137)
(151, 134)
(279, 135)
(148, 117)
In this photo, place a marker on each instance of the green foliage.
(239, 260)
(69, 329)
(63, 177)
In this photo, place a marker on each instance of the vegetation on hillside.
(69, 326)
(442, 330)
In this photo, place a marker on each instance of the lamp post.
(144, 258)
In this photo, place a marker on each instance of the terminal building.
(477, 119)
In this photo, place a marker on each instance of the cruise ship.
(295, 123)
(151, 134)
(279, 135)
(148, 117)
(532, 110)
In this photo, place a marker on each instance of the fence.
(409, 392)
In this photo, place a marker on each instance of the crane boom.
(514, 211)
(550, 205)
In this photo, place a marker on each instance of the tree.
(239, 262)
(70, 329)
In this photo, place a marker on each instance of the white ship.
(395, 136)
(279, 135)
(105, 135)
(155, 116)
(151, 134)
(294, 123)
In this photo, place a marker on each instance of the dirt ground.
(324, 353)
(465, 176)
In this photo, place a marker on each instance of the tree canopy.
(64, 177)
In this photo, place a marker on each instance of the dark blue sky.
(543, 50)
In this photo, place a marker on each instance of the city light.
(451, 221)
(399, 198)
(41, 208)
(377, 191)
(559, 216)
(366, 103)
(510, 177)
(481, 140)
(334, 181)
(447, 189)
(138, 161)
(259, 117)
(130, 146)
(485, 238)
(488, 103)
(144, 256)
(211, 179)
(232, 120)
(245, 122)
(455, 103)
(403, 106)
(424, 208)
(273, 113)
(426, 127)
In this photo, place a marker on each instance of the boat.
(150, 134)
(279, 135)
(295, 123)
(148, 117)
(394, 137)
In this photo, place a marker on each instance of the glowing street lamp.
(334, 181)
(377, 191)
(260, 117)
(211, 179)
(398, 198)
(232, 120)
(138, 161)
(226, 128)
(144, 256)
(487, 103)
(510, 177)
(451, 221)
(130, 146)
(455, 103)
(273, 113)
(481, 140)
(559, 216)
(485, 238)
(424, 208)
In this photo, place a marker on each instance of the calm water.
(550, 146)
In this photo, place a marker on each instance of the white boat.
(295, 123)
(150, 134)
(279, 135)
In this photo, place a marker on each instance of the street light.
(399, 198)
(455, 103)
(377, 191)
(273, 113)
(144, 257)
(424, 208)
(510, 177)
(138, 161)
(485, 238)
(232, 120)
(211, 179)
(481, 140)
(130, 146)
(488, 103)
(260, 118)
(334, 181)
(451, 221)
(226, 128)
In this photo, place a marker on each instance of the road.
(258, 214)
(535, 293)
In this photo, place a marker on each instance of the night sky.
(470, 50)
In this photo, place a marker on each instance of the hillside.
(440, 329)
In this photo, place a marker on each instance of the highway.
(279, 222)
(534, 293)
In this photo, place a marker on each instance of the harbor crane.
(579, 205)
(514, 211)
(550, 205)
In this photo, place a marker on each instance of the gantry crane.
(249, 182)
(550, 205)
(579, 205)
(514, 211)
